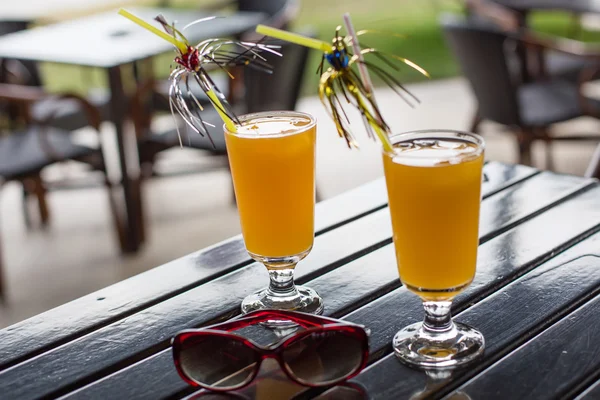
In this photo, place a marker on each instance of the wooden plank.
(393, 375)
(518, 318)
(343, 291)
(555, 363)
(142, 334)
(91, 312)
(509, 317)
(390, 313)
(339, 287)
(498, 176)
(591, 393)
(501, 259)
(107, 305)
(509, 207)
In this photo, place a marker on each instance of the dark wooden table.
(536, 298)
(109, 41)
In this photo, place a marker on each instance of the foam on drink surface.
(272, 126)
(434, 152)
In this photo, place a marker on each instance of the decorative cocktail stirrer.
(191, 62)
(340, 80)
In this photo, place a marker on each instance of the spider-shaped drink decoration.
(191, 65)
(340, 81)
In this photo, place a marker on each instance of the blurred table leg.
(130, 180)
(2, 288)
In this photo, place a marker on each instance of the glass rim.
(436, 134)
(283, 113)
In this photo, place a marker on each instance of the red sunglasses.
(326, 353)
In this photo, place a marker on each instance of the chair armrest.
(25, 96)
(567, 46)
(28, 95)
(92, 113)
(21, 93)
(541, 43)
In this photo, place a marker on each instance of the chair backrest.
(280, 13)
(281, 89)
(481, 53)
(270, 7)
(28, 69)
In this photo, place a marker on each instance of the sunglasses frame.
(312, 324)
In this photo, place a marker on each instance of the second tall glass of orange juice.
(433, 181)
(272, 161)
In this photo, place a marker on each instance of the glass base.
(304, 299)
(423, 349)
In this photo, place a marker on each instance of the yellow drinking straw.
(183, 48)
(219, 107)
(374, 121)
(294, 38)
(179, 44)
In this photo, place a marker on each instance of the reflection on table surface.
(272, 384)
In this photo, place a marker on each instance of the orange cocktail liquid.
(272, 162)
(434, 190)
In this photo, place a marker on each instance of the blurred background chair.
(262, 92)
(535, 62)
(528, 109)
(526, 63)
(279, 13)
(67, 113)
(32, 144)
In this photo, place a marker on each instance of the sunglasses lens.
(323, 358)
(217, 362)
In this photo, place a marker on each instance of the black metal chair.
(528, 109)
(67, 113)
(280, 13)
(539, 63)
(278, 91)
(36, 144)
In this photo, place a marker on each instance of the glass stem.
(438, 319)
(282, 281)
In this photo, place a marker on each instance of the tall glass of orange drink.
(272, 161)
(433, 181)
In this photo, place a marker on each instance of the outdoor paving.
(77, 254)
